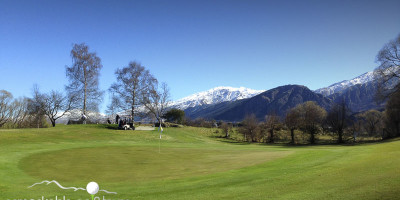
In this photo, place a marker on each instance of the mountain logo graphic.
(92, 188)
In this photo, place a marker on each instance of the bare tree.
(355, 128)
(226, 129)
(271, 122)
(372, 119)
(292, 121)
(132, 82)
(388, 78)
(311, 116)
(83, 78)
(5, 106)
(156, 100)
(392, 114)
(250, 128)
(19, 111)
(338, 119)
(112, 108)
(22, 112)
(56, 105)
(36, 106)
(388, 72)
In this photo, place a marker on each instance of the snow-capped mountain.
(338, 87)
(214, 96)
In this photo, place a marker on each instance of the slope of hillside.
(343, 85)
(278, 100)
(359, 97)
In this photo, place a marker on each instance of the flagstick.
(159, 141)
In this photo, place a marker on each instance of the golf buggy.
(126, 123)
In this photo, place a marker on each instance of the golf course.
(189, 163)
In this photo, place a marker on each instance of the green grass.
(191, 164)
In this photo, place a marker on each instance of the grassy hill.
(189, 163)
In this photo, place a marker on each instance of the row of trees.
(137, 91)
(12, 110)
(311, 119)
(307, 117)
(135, 88)
(19, 112)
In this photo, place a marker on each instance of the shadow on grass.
(320, 142)
(229, 140)
(234, 142)
(111, 126)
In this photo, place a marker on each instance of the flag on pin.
(161, 129)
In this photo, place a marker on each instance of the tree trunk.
(159, 123)
(271, 138)
(133, 104)
(84, 105)
(132, 112)
(253, 137)
(84, 102)
(53, 122)
(292, 135)
(340, 133)
(312, 138)
(84, 94)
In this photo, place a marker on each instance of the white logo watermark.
(62, 198)
(92, 188)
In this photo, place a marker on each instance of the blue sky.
(196, 45)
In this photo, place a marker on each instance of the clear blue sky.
(196, 45)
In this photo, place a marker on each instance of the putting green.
(139, 164)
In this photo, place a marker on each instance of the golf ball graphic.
(92, 188)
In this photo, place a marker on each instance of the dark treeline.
(309, 123)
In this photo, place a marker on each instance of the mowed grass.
(138, 164)
(191, 163)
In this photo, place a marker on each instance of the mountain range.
(277, 101)
(233, 104)
(214, 96)
(343, 85)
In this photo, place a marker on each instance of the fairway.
(189, 163)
